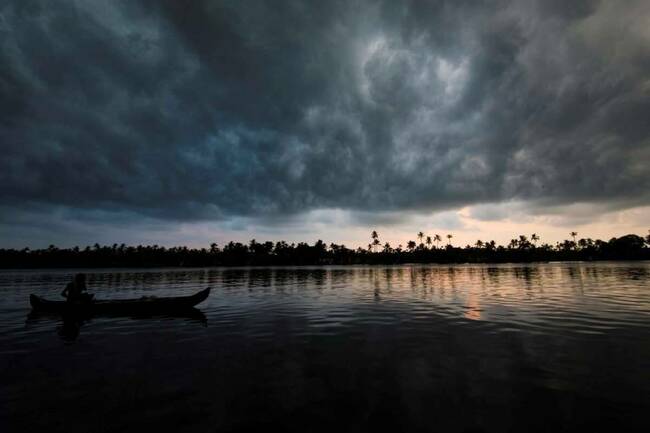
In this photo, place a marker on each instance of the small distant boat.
(143, 305)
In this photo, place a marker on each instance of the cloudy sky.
(176, 122)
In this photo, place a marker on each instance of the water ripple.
(443, 334)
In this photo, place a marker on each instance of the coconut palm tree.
(479, 244)
(523, 242)
(410, 245)
(375, 238)
(429, 241)
(449, 236)
(420, 237)
(573, 235)
(437, 239)
(534, 238)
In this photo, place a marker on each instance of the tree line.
(427, 250)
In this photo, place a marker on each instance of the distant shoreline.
(306, 266)
(521, 250)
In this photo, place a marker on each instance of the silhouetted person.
(76, 290)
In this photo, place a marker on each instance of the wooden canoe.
(144, 305)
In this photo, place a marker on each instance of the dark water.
(550, 347)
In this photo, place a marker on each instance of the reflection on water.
(473, 307)
(69, 325)
(543, 347)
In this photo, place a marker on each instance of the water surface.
(541, 347)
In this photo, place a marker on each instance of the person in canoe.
(76, 290)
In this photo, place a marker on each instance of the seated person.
(76, 290)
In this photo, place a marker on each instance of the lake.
(463, 348)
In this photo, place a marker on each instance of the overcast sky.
(176, 122)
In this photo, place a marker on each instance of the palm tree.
(420, 236)
(534, 238)
(410, 245)
(429, 241)
(437, 239)
(449, 236)
(479, 244)
(573, 235)
(375, 237)
(523, 242)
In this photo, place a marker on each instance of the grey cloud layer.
(210, 110)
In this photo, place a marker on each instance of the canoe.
(143, 305)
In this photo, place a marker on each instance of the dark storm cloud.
(212, 110)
